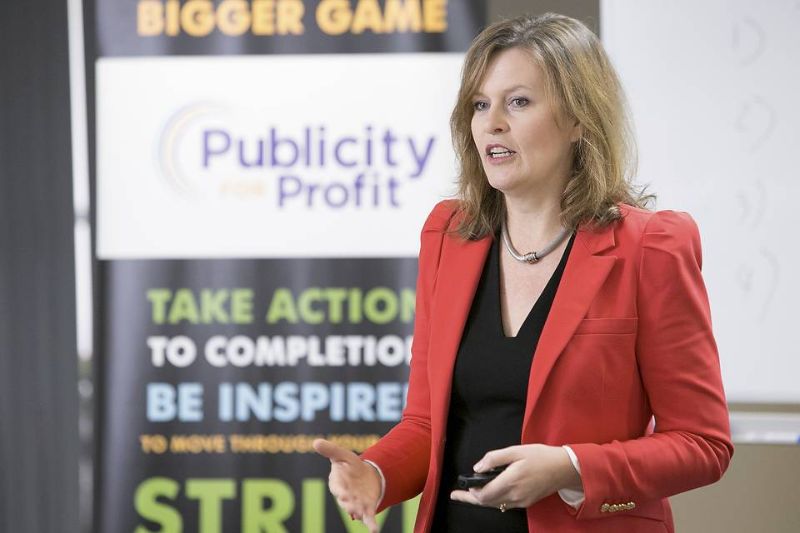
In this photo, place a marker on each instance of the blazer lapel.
(459, 273)
(583, 276)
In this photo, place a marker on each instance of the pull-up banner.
(263, 169)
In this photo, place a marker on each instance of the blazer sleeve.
(403, 454)
(679, 367)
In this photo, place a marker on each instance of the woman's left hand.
(534, 471)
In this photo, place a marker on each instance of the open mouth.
(498, 151)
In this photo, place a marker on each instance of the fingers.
(494, 491)
(361, 512)
(494, 458)
(347, 483)
(486, 496)
(333, 452)
(464, 496)
(370, 521)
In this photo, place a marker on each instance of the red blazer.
(628, 338)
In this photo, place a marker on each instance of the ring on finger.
(503, 507)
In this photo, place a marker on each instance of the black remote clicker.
(478, 479)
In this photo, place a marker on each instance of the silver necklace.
(532, 257)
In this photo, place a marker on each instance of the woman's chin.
(504, 185)
(515, 186)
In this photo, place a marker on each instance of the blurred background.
(712, 89)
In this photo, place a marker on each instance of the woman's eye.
(516, 102)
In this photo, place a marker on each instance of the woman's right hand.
(355, 484)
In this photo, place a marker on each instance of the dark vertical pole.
(38, 361)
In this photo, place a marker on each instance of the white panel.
(713, 87)
(765, 428)
(172, 184)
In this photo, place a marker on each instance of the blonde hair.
(583, 86)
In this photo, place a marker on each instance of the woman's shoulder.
(665, 229)
(440, 216)
(663, 221)
(433, 234)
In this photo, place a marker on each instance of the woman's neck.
(533, 222)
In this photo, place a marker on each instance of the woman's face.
(511, 113)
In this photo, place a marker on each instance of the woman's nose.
(496, 120)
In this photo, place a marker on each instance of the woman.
(587, 366)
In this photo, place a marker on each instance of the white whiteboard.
(714, 89)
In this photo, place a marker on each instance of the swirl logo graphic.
(176, 152)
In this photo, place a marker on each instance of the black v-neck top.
(487, 402)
